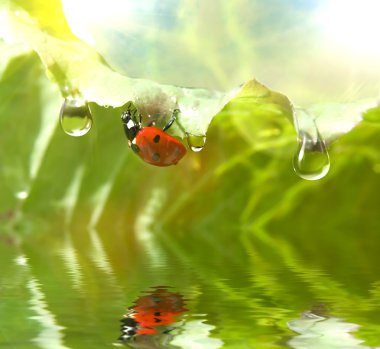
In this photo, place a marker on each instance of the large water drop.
(75, 117)
(312, 160)
(196, 142)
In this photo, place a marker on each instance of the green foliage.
(249, 244)
(240, 192)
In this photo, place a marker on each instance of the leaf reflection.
(51, 335)
(323, 332)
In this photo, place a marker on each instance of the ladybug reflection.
(152, 314)
(150, 143)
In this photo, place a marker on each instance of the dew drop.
(75, 117)
(196, 142)
(311, 161)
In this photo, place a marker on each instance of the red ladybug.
(152, 313)
(159, 308)
(150, 143)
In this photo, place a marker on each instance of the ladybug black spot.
(156, 138)
(135, 148)
(156, 157)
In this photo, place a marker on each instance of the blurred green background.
(262, 258)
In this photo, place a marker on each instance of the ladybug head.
(131, 127)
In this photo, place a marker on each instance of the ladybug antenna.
(172, 119)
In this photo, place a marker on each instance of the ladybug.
(152, 314)
(150, 143)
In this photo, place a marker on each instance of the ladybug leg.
(172, 119)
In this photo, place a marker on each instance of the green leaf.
(75, 66)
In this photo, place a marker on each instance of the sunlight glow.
(353, 24)
(86, 17)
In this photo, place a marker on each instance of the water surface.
(99, 289)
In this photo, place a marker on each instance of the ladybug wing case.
(158, 148)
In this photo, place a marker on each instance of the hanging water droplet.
(311, 161)
(196, 142)
(75, 117)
